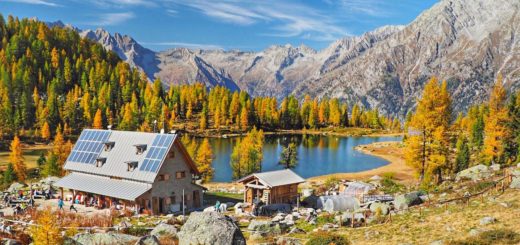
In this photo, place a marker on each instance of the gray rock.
(385, 208)
(148, 240)
(405, 201)
(104, 238)
(266, 228)
(7, 241)
(438, 242)
(487, 220)
(477, 172)
(210, 228)
(164, 230)
(515, 184)
(288, 241)
(296, 230)
(494, 167)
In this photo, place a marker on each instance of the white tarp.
(341, 203)
(357, 188)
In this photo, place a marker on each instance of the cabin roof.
(91, 146)
(118, 188)
(275, 178)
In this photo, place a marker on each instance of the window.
(171, 154)
(180, 175)
(109, 145)
(131, 165)
(100, 161)
(163, 177)
(140, 149)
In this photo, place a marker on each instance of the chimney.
(109, 127)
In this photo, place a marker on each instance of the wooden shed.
(279, 186)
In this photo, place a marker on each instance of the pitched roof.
(122, 189)
(275, 178)
(124, 150)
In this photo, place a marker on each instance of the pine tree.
(244, 121)
(204, 159)
(495, 125)
(17, 159)
(98, 120)
(41, 160)
(9, 175)
(289, 156)
(463, 155)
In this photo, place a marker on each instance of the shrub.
(326, 238)
(499, 236)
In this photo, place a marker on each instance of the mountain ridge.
(466, 42)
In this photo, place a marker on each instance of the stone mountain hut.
(144, 171)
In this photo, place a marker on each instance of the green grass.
(212, 197)
(30, 154)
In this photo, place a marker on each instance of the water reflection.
(317, 154)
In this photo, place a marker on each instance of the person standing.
(60, 203)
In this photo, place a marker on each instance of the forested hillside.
(52, 78)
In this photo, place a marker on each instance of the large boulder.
(380, 207)
(515, 183)
(265, 228)
(164, 230)
(477, 172)
(407, 200)
(104, 238)
(210, 228)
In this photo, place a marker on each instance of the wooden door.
(155, 205)
(196, 199)
(249, 195)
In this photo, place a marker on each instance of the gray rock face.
(487, 220)
(466, 42)
(515, 183)
(210, 228)
(474, 173)
(104, 238)
(164, 230)
(407, 200)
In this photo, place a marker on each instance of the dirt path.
(391, 151)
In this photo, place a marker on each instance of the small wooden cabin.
(272, 187)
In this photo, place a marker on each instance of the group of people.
(61, 203)
(21, 201)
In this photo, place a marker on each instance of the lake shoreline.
(389, 150)
(344, 132)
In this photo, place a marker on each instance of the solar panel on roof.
(89, 146)
(157, 152)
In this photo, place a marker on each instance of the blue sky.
(229, 24)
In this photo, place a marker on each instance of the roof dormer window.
(109, 145)
(131, 165)
(100, 161)
(140, 149)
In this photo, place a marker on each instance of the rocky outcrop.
(164, 230)
(477, 172)
(210, 228)
(105, 238)
(405, 201)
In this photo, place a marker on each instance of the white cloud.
(110, 19)
(36, 2)
(185, 45)
(123, 3)
(374, 8)
(285, 19)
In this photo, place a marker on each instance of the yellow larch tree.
(495, 126)
(426, 146)
(46, 131)
(17, 159)
(204, 159)
(46, 231)
(98, 120)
